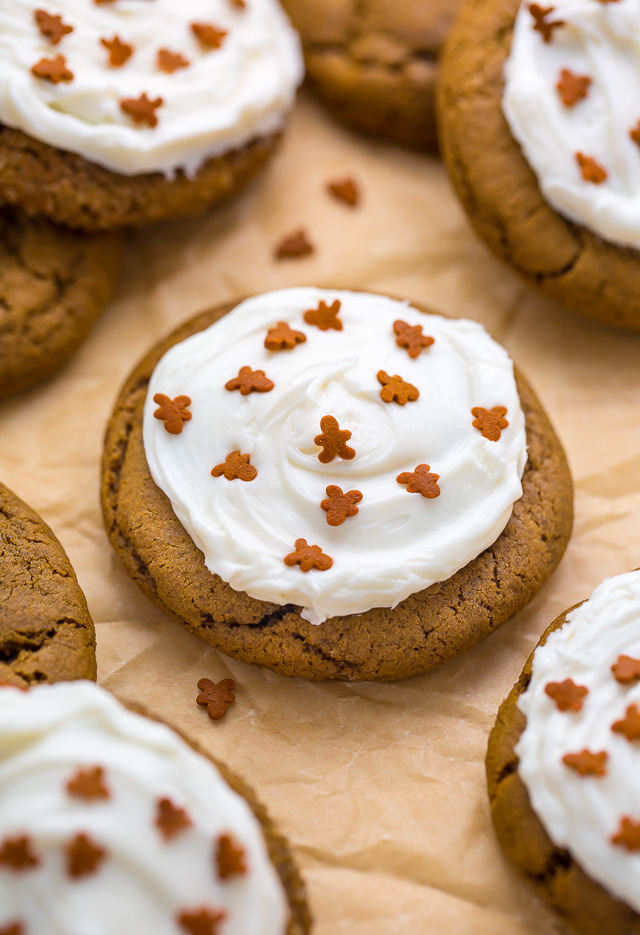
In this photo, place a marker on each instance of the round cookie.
(99, 798)
(46, 633)
(568, 121)
(53, 285)
(118, 114)
(375, 64)
(573, 755)
(428, 624)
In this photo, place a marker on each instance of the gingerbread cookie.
(563, 759)
(112, 822)
(46, 633)
(334, 484)
(375, 64)
(539, 130)
(53, 285)
(127, 112)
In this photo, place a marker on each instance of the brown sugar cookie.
(561, 740)
(136, 803)
(428, 625)
(552, 250)
(46, 632)
(53, 284)
(375, 64)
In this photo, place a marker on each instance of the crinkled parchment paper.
(380, 788)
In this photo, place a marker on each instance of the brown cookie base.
(46, 633)
(581, 902)
(422, 632)
(43, 180)
(374, 63)
(500, 192)
(53, 285)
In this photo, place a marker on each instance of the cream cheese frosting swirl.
(223, 98)
(600, 42)
(146, 880)
(584, 813)
(399, 542)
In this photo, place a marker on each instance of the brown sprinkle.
(51, 26)
(308, 557)
(490, 421)
(591, 170)
(239, 4)
(628, 835)
(567, 695)
(230, 858)
(626, 669)
(338, 505)
(630, 724)
(333, 441)
(236, 467)
(635, 134)
(142, 109)
(421, 481)
(173, 412)
(324, 316)
(209, 35)
(53, 69)
(572, 88)
(411, 338)
(294, 246)
(587, 763)
(119, 52)
(202, 921)
(88, 784)
(83, 857)
(346, 191)
(17, 854)
(171, 820)
(171, 61)
(283, 338)
(541, 24)
(250, 381)
(216, 697)
(395, 389)
(13, 928)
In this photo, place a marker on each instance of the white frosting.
(145, 881)
(602, 41)
(399, 543)
(582, 813)
(222, 100)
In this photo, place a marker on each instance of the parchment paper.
(380, 788)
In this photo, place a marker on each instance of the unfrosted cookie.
(46, 633)
(539, 120)
(111, 822)
(563, 762)
(347, 490)
(131, 111)
(375, 64)
(53, 284)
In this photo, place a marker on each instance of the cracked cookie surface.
(423, 631)
(46, 632)
(582, 902)
(374, 63)
(500, 192)
(53, 285)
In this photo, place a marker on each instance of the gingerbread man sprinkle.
(338, 505)
(283, 338)
(572, 88)
(14, 928)
(236, 467)
(53, 69)
(325, 316)
(567, 695)
(395, 389)
(173, 412)
(119, 52)
(51, 27)
(230, 858)
(250, 381)
(541, 24)
(202, 921)
(216, 697)
(209, 35)
(591, 170)
(83, 856)
(490, 422)
(630, 724)
(308, 557)
(411, 338)
(345, 190)
(142, 109)
(626, 670)
(587, 763)
(333, 441)
(628, 835)
(17, 854)
(88, 784)
(171, 61)
(421, 481)
(171, 820)
(294, 246)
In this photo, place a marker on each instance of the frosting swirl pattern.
(142, 867)
(584, 813)
(396, 542)
(571, 102)
(220, 100)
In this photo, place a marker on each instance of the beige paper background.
(380, 788)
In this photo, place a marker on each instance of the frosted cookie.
(540, 130)
(563, 760)
(110, 822)
(375, 63)
(334, 484)
(46, 632)
(130, 111)
(54, 283)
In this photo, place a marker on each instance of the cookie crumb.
(216, 697)
(294, 246)
(345, 190)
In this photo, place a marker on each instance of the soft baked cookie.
(127, 112)
(46, 633)
(539, 130)
(111, 822)
(563, 761)
(375, 63)
(346, 486)
(53, 285)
